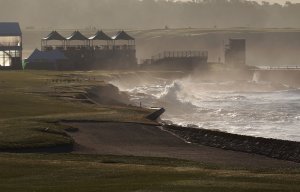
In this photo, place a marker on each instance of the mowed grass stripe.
(59, 173)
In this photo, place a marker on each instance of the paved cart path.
(145, 140)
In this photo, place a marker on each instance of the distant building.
(10, 46)
(96, 52)
(235, 53)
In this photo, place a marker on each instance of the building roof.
(100, 35)
(54, 35)
(10, 29)
(48, 56)
(122, 35)
(76, 35)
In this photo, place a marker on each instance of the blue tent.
(10, 29)
(46, 56)
(46, 60)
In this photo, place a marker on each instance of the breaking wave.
(249, 108)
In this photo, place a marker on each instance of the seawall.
(279, 149)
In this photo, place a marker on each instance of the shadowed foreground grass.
(65, 172)
(28, 119)
(29, 114)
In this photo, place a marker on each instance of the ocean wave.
(249, 108)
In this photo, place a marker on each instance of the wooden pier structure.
(177, 60)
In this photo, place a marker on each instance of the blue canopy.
(122, 35)
(54, 35)
(46, 56)
(10, 29)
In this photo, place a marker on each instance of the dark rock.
(154, 116)
(280, 149)
(107, 94)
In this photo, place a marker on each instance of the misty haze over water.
(266, 113)
(147, 14)
(254, 107)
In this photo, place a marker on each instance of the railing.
(76, 47)
(101, 47)
(80, 47)
(5, 48)
(179, 54)
(277, 68)
(50, 48)
(123, 47)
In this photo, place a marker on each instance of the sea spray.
(242, 107)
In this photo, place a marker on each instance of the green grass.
(66, 172)
(24, 134)
(30, 116)
(28, 107)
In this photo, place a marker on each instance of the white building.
(10, 46)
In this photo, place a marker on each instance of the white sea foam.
(248, 108)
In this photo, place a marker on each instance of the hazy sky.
(281, 1)
(272, 1)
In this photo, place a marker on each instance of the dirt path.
(144, 140)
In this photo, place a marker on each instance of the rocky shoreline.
(274, 148)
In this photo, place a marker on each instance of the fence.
(277, 68)
(179, 54)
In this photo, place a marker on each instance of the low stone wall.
(279, 149)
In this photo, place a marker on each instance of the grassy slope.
(26, 120)
(27, 111)
(200, 31)
(114, 173)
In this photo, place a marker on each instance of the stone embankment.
(279, 149)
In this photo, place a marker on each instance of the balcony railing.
(180, 54)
